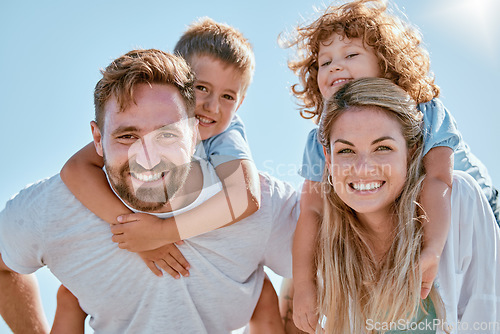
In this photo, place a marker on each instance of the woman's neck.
(380, 227)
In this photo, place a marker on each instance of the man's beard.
(143, 197)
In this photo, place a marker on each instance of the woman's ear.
(328, 159)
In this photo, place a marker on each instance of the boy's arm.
(239, 199)
(69, 318)
(304, 270)
(436, 202)
(20, 303)
(84, 177)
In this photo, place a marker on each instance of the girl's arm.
(436, 202)
(305, 316)
(84, 177)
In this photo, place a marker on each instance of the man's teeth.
(367, 186)
(147, 177)
(204, 120)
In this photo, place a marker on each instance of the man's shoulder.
(42, 193)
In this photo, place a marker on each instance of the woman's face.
(368, 159)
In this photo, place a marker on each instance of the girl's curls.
(396, 44)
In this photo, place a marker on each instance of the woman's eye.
(384, 148)
(345, 151)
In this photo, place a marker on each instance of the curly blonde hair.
(396, 43)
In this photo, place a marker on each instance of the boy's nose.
(211, 104)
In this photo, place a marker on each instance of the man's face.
(147, 147)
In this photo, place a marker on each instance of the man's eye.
(127, 137)
(166, 135)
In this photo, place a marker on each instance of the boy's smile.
(219, 92)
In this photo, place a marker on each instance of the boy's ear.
(241, 101)
(96, 134)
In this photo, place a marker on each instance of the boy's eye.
(352, 55)
(201, 88)
(228, 97)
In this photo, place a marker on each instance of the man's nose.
(147, 153)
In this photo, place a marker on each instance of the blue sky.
(51, 53)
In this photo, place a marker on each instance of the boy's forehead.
(201, 63)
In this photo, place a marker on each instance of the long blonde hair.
(353, 285)
(396, 43)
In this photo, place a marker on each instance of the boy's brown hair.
(142, 66)
(396, 44)
(206, 37)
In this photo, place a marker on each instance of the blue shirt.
(440, 129)
(231, 144)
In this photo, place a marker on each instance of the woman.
(371, 235)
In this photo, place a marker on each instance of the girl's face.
(368, 160)
(341, 60)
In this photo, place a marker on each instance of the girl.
(363, 39)
(371, 235)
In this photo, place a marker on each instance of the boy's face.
(219, 90)
(341, 60)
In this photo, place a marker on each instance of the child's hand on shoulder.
(429, 263)
(138, 232)
(169, 258)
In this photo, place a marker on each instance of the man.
(146, 96)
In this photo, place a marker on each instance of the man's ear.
(96, 134)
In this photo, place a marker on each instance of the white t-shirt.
(46, 225)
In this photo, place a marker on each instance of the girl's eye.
(352, 55)
(384, 148)
(345, 151)
(326, 63)
(201, 88)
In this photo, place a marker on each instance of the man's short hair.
(142, 66)
(206, 37)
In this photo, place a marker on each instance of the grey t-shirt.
(46, 225)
